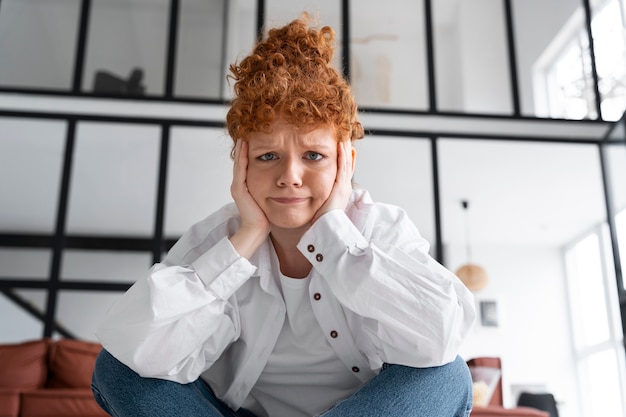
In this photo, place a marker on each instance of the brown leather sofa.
(47, 378)
(495, 406)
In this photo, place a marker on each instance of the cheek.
(326, 182)
(254, 181)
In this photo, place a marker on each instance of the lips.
(289, 200)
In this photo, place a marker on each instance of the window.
(610, 49)
(565, 71)
(598, 349)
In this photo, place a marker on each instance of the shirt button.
(310, 248)
(355, 369)
(319, 257)
(333, 334)
(317, 296)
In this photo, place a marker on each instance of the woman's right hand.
(254, 224)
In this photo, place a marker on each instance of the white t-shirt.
(303, 375)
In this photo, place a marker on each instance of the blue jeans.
(444, 391)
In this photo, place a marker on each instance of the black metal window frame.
(59, 240)
(170, 67)
(157, 244)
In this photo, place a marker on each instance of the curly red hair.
(289, 76)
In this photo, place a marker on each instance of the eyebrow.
(313, 144)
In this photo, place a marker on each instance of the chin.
(284, 223)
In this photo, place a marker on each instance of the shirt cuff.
(222, 269)
(329, 238)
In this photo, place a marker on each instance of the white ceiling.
(520, 193)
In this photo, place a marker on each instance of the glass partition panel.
(18, 324)
(327, 13)
(25, 263)
(399, 171)
(38, 42)
(471, 57)
(126, 47)
(241, 34)
(200, 70)
(104, 266)
(544, 30)
(388, 62)
(520, 192)
(114, 179)
(79, 312)
(527, 200)
(211, 36)
(31, 151)
(199, 176)
(614, 151)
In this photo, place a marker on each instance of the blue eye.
(313, 156)
(268, 157)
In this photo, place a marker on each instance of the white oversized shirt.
(206, 311)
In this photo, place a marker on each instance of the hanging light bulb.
(473, 276)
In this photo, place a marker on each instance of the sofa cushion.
(24, 365)
(60, 402)
(497, 411)
(9, 402)
(71, 363)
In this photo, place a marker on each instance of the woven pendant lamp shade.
(473, 276)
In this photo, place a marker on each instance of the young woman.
(303, 297)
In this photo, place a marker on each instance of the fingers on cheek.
(341, 155)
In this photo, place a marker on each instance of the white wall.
(533, 338)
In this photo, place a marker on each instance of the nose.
(290, 173)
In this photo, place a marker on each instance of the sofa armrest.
(496, 411)
(52, 402)
(9, 402)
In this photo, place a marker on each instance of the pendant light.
(473, 276)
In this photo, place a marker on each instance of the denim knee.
(103, 366)
(451, 382)
(442, 391)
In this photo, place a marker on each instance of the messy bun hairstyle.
(289, 76)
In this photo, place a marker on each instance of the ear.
(353, 153)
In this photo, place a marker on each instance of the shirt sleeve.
(175, 322)
(419, 312)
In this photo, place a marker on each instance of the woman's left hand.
(340, 194)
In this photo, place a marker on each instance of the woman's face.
(291, 173)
